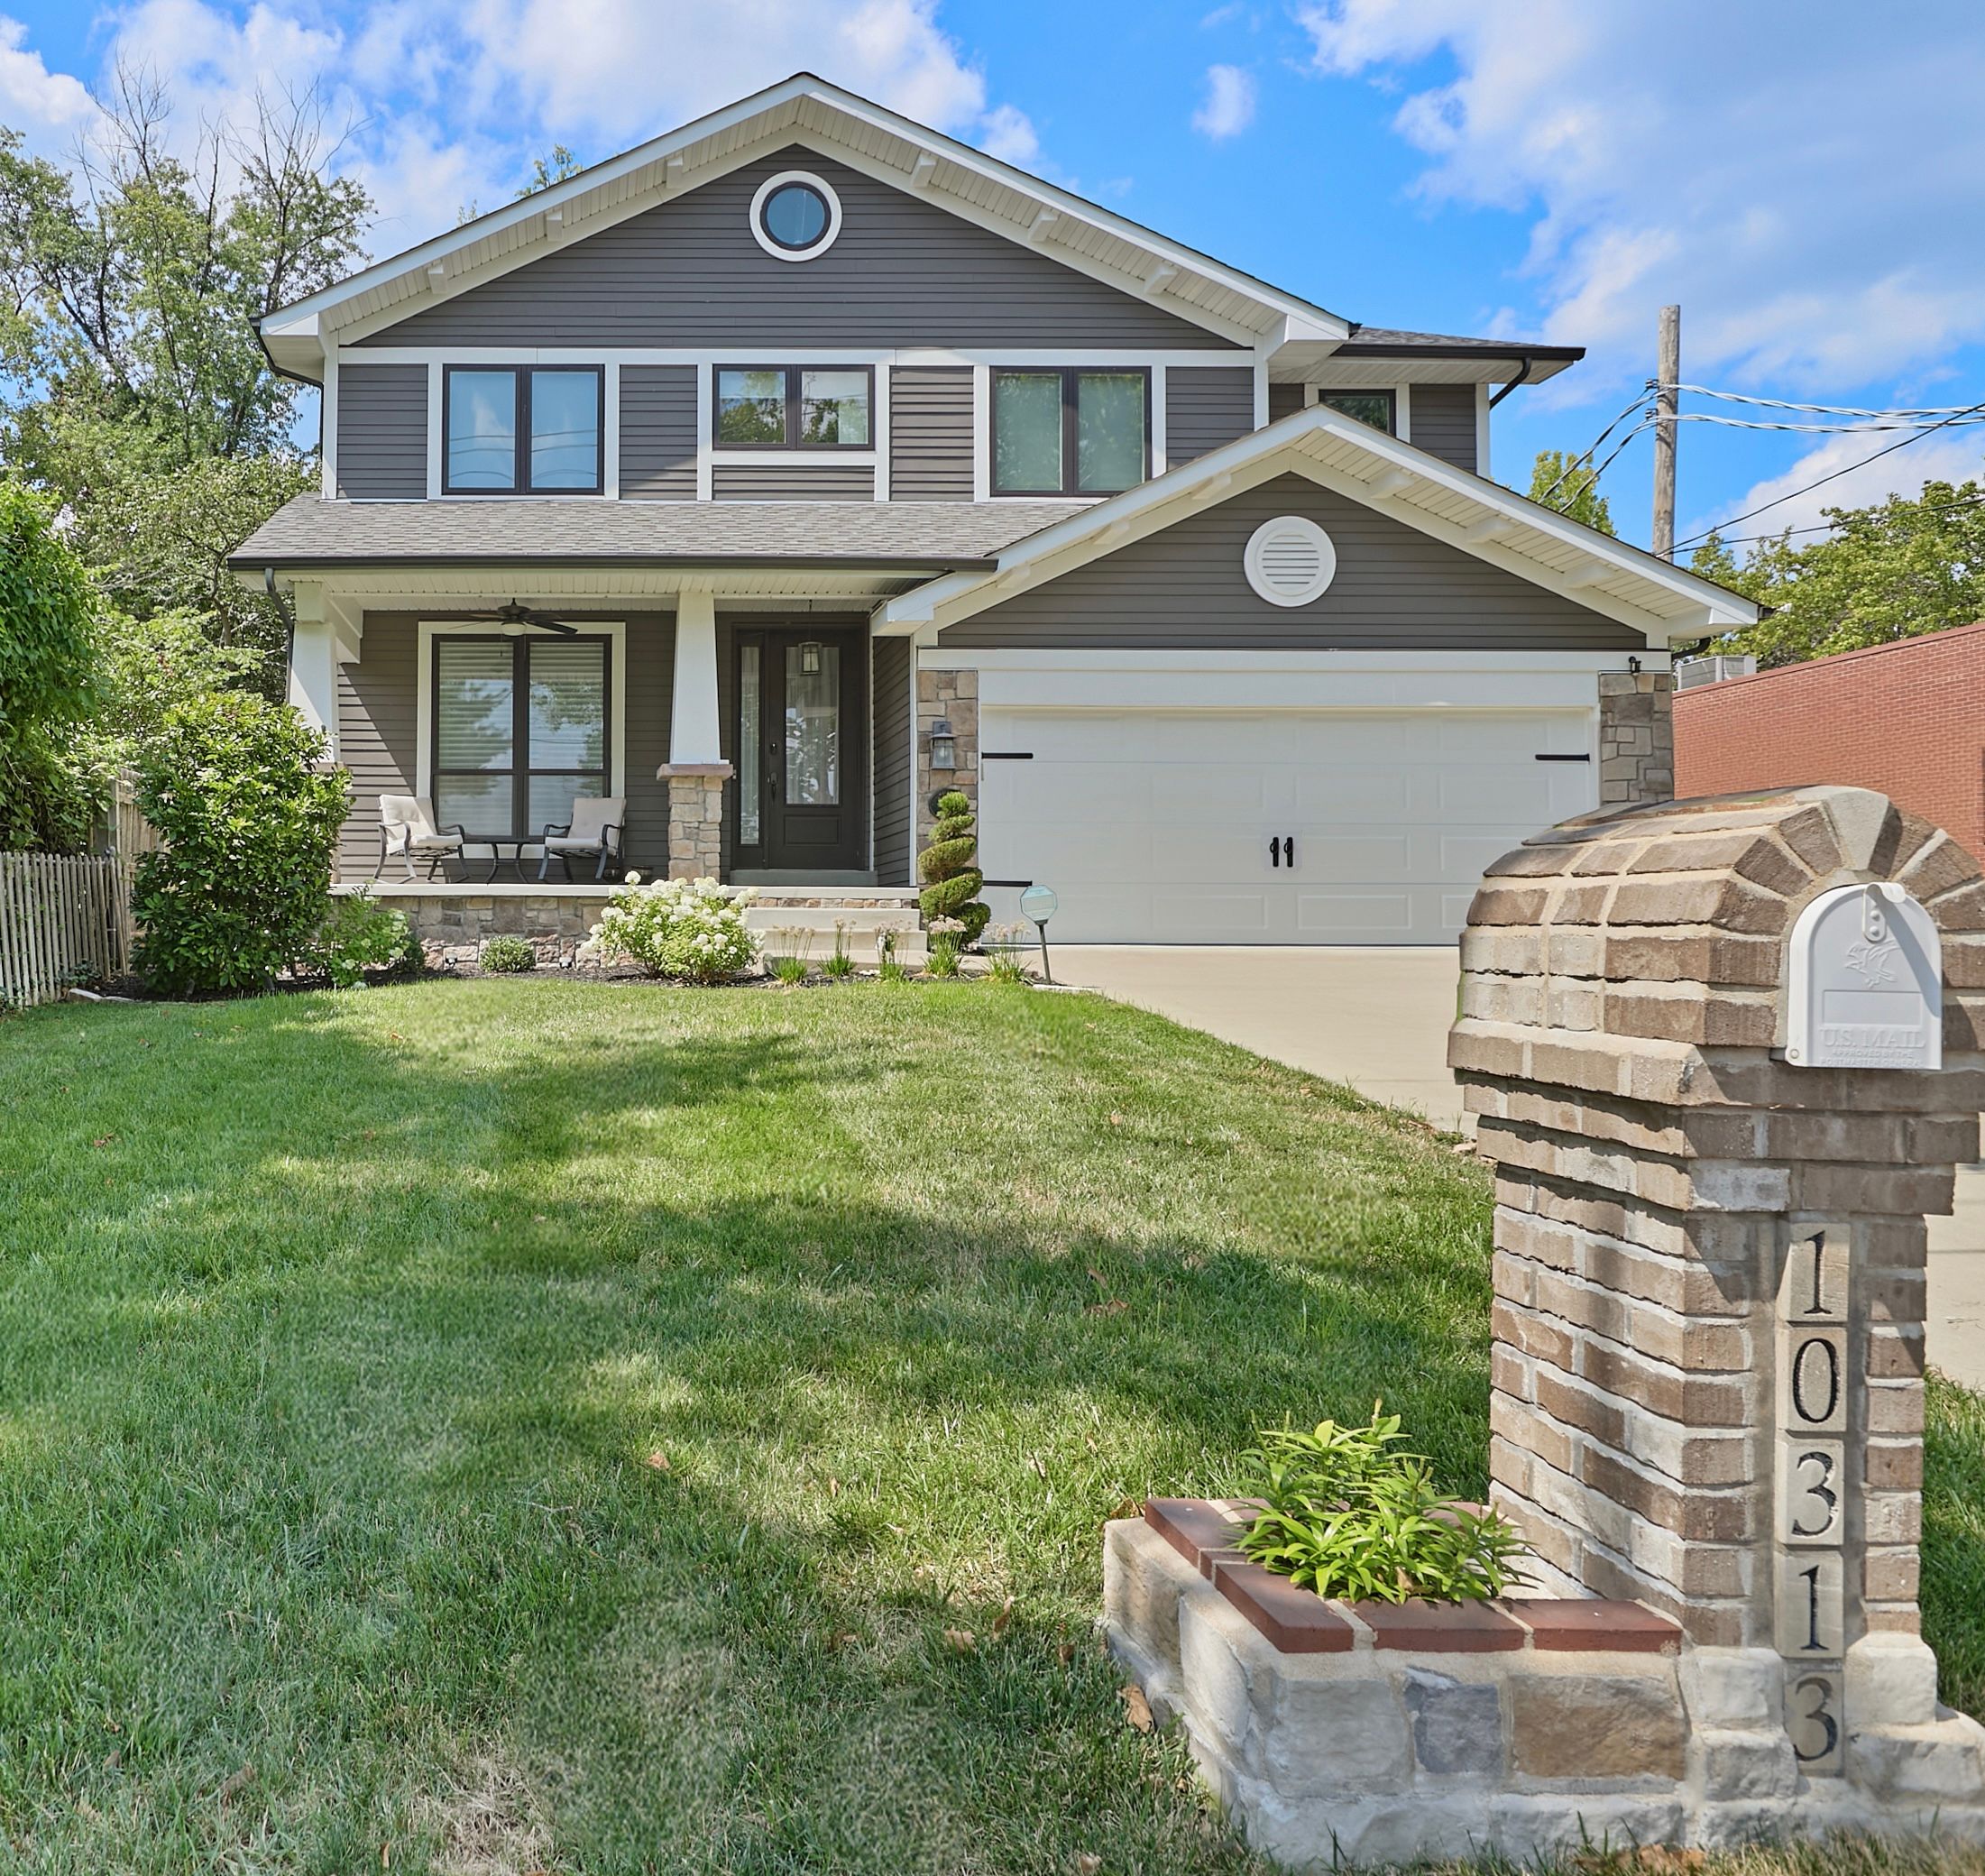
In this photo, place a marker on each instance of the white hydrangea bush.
(692, 930)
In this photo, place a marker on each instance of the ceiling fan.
(517, 615)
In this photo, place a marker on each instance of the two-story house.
(803, 463)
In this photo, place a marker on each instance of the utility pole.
(1667, 374)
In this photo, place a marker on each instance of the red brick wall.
(1907, 719)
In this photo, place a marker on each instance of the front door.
(802, 802)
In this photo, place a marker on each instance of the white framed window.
(796, 216)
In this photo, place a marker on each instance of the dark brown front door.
(801, 800)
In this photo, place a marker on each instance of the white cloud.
(45, 105)
(1009, 135)
(1807, 180)
(1229, 105)
(1952, 457)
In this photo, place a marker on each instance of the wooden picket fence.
(64, 919)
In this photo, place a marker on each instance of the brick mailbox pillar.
(1708, 1372)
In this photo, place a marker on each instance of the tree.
(952, 878)
(1569, 484)
(562, 168)
(1894, 570)
(50, 679)
(133, 384)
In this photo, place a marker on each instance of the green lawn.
(514, 1426)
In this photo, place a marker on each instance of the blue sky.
(1805, 177)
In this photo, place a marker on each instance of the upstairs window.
(1069, 432)
(1372, 407)
(793, 407)
(522, 429)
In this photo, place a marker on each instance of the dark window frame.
(520, 777)
(826, 212)
(1071, 377)
(1325, 392)
(793, 373)
(521, 483)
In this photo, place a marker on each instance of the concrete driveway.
(1377, 1016)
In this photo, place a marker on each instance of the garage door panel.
(1154, 825)
(1194, 916)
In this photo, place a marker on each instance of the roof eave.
(299, 321)
(1155, 505)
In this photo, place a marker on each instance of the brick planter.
(1358, 1732)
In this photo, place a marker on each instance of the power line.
(1834, 475)
(1737, 540)
(1738, 397)
(1585, 456)
(1823, 429)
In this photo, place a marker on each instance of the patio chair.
(595, 829)
(405, 827)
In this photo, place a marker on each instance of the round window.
(795, 216)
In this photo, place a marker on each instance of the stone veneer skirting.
(1340, 1733)
(1636, 737)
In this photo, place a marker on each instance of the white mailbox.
(1865, 982)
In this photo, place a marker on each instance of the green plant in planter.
(509, 953)
(1346, 1514)
(952, 881)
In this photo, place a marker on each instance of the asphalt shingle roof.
(312, 531)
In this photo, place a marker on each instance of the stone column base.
(695, 817)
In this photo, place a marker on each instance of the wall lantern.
(1037, 906)
(943, 744)
(810, 657)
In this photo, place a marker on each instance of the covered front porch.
(761, 737)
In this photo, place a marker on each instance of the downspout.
(290, 626)
(1523, 371)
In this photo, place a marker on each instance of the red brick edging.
(1205, 1531)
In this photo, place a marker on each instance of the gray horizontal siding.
(904, 271)
(794, 482)
(378, 708)
(1442, 419)
(1395, 589)
(1284, 401)
(383, 432)
(1204, 409)
(889, 712)
(658, 433)
(930, 433)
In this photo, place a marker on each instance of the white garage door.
(1155, 826)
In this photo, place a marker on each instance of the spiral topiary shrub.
(952, 882)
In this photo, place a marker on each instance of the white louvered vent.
(1290, 561)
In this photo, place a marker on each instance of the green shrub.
(947, 941)
(358, 935)
(51, 680)
(508, 953)
(243, 885)
(689, 929)
(1345, 1515)
(953, 882)
(786, 954)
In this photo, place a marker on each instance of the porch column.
(326, 637)
(696, 770)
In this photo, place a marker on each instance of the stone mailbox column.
(1709, 1265)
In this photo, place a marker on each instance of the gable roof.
(1481, 518)
(808, 110)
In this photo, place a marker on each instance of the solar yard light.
(1038, 904)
